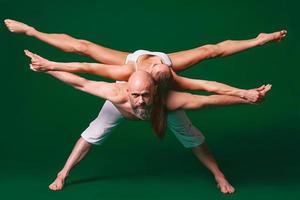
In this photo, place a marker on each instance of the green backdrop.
(41, 118)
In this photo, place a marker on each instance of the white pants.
(109, 117)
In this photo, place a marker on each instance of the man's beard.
(142, 113)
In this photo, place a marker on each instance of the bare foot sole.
(18, 27)
(58, 184)
(224, 186)
(268, 37)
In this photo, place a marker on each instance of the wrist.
(52, 66)
(242, 93)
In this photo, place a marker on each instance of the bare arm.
(177, 100)
(181, 100)
(184, 83)
(101, 89)
(115, 72)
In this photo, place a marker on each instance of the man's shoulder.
(118, 93)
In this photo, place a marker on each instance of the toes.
(52, 187)
(284, 32)
(7, 21)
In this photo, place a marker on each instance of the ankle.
(62, 175)
(219, 175)
(30, 31)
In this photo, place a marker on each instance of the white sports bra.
(135, 55)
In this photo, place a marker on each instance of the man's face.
(141, 99)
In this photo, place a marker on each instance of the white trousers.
(109, 118)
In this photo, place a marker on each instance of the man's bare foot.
(268, 37)
(58, 183)
(224, 186)
(18, 27)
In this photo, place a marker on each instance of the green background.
(41, 118)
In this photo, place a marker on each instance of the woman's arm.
(184, 83)
(181, 100)
(115, 72)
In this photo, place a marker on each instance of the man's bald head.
(141, 79)
(141, 90)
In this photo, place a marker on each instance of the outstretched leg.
(206, 157)
(79, 151)
(184, 59)
(67, 43)
(191, 137)
(98, 130)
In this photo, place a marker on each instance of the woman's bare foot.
(18, 27)
(268, 37)
(224, 186)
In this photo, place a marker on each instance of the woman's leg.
(184, 59)
(67, 43)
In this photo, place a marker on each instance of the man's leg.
(98, 130)
(191, 137)
(69, 44)
(79, 151)
(184, 59)
(206, 157)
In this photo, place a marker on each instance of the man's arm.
(101, 89)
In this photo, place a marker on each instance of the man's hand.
(38, 63)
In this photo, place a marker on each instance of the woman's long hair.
(159, 111)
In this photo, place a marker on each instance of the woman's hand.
(38, 63)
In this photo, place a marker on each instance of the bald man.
(134, 101)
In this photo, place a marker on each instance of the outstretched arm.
(101, 89)
(181, 100)
(115, 72)
(184, 83)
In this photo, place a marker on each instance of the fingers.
(263, 92)
(28, 53)
(267, 88)
(35, 59)
(283, 32)
(32, 68)
(260, 88)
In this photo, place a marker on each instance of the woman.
(119, 65)
(160, 65)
